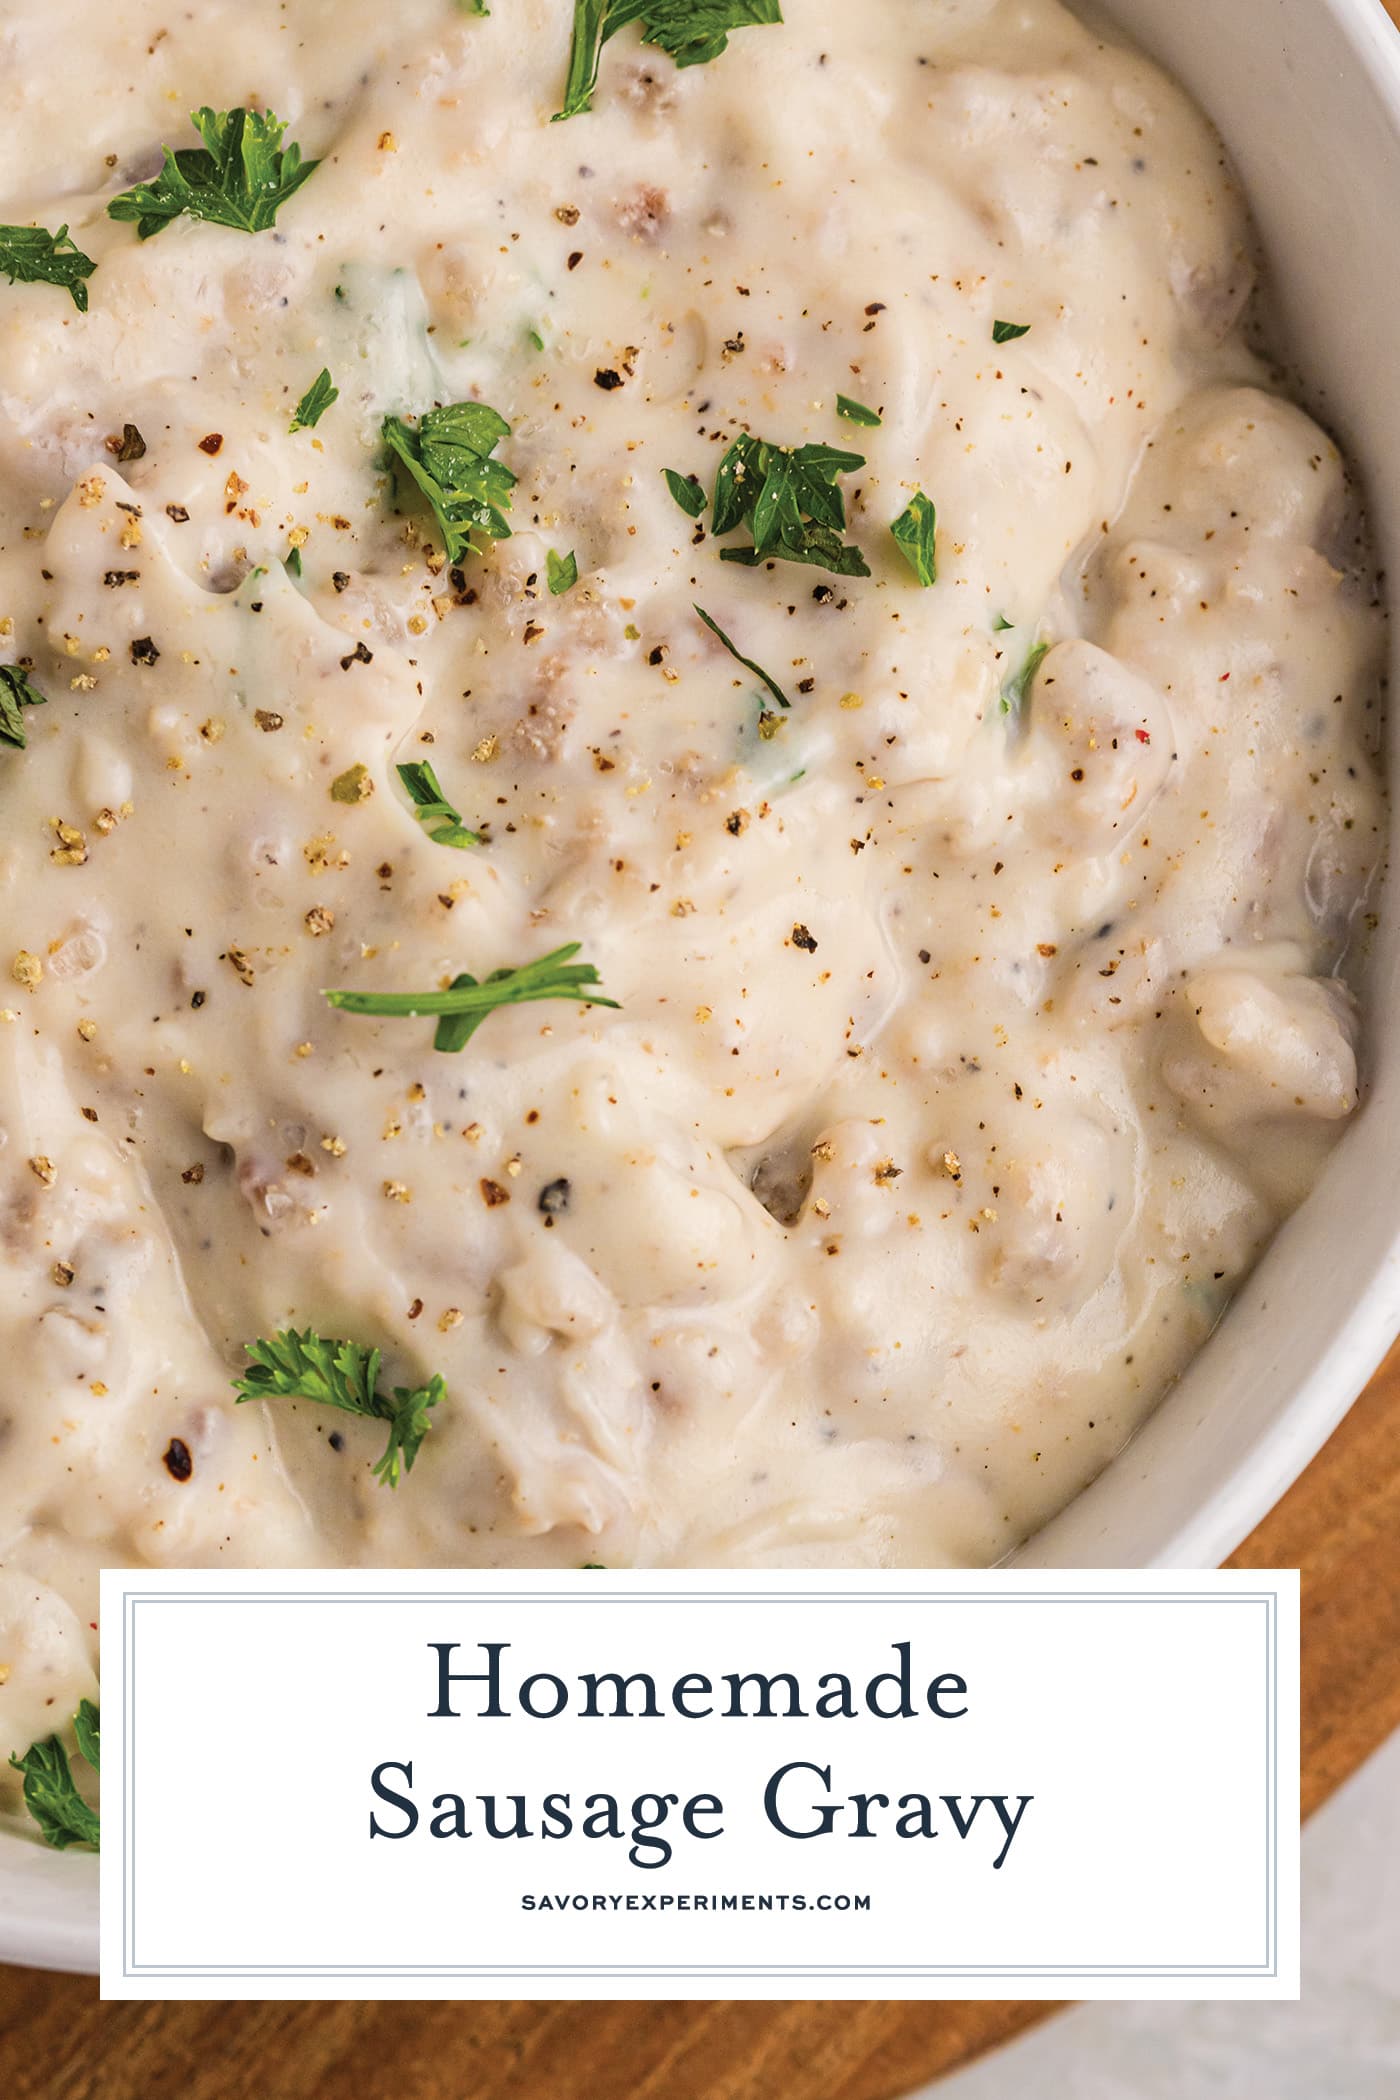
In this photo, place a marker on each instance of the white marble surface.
(1340, 2042)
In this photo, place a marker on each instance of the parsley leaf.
(466, 1004)
(16, 692)
(1001, 625)
(914, 532)
(448, 454)
(691, 31)
(747, 661)
(789, 501)
(857, 412)
(240, 177)
(50, 1791)
(314, 402)
(344, 1375)
(689, 494)
(562, 572)
(87, 1727)
(1007, 331)
(1017, 687)
(432, 807)
(33, 255)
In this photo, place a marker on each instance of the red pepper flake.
(212, 444)
(1142, 736)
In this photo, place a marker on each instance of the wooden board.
(1340, 1525)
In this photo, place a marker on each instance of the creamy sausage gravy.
(966, 1055)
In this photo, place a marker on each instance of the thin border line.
(135, 1970)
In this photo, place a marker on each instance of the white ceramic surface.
(1307, 96)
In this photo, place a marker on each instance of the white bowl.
(1307, 96)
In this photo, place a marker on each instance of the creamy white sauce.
(880, 1240)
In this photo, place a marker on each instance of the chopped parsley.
(689, 494)
(464, 1005)
(314, 402)
(1007, 331)
(87, 1727)
(747, 661)
(789, 501)
(344, 1375)
(691, 31)
(16, 692)
(1001, 625)
(914, 533)
(241, 176)
(857, 412)
(1017, 687)
(432, 807)
(33, 255)
(447, 453)
(562, 571)
(293, 562)
(50, 1791)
